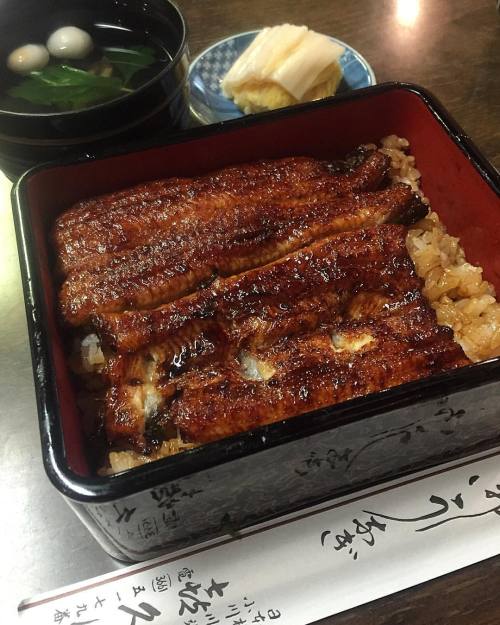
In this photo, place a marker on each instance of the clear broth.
(104, 35)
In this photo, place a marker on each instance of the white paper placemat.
(298, 570)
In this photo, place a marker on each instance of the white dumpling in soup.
(70, 42)
(31, 57)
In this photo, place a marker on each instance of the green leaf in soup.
(128, 61)
(66, 88)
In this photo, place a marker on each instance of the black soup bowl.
(155, 108)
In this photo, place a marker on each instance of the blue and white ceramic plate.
(209, 105)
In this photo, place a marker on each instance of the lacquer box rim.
(94, 489)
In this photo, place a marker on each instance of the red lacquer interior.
(466, 204)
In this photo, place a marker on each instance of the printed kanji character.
(170, 517)
(161, 583)
(138, 589)
(189, 599)
(148, 528)
(149, 612)
(185, 572)
(99, 602)
(259, 618)
(313, 460)
(367, 528)
(273, 614)
(80, 609)
(458, 501)
(59, 615)
(234, 612)
(333, 457)
(343, 540)
(123, 515)
(191, 493)
(166, 496)
(443, 507)
(491, 494)
(451, 413)
(216, 587)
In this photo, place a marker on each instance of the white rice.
(124, 460)
(456, 290)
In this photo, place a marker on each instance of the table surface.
(452, 47)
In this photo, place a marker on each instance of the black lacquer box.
(234, 483)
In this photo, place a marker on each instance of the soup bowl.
(155, 108)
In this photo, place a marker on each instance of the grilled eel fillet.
(94, 230)
(336, 320)
(216, 243)
(252, 305)
(308, 374)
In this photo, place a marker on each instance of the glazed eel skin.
(217, 233)
(338, 319)
(92, 231)
(249, 235)
(247, 296)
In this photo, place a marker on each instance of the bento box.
(225, 486)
